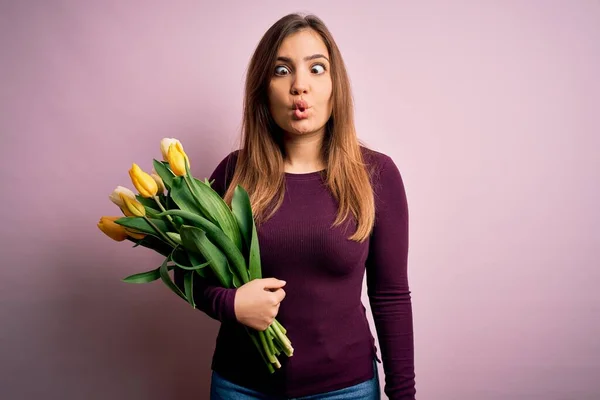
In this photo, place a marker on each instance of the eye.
(320, 68)
(280, 70)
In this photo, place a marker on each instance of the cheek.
(276, 93)
(327, 95)
(326, 92)
(274, 100)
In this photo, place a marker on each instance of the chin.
(302, 126)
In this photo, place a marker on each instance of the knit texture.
(322, 311)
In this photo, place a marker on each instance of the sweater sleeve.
(387, 283)
(215, 301)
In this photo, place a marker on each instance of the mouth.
(301, 109)
(300, 105)
(300, 113)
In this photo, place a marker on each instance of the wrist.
(230, 312)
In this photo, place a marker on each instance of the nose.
(299, 85)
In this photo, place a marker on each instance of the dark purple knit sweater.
(323, 313)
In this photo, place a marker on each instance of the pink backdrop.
(490, 110)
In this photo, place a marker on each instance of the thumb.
(273, 283)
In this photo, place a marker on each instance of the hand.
(257, 302)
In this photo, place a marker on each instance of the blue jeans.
(222, 389)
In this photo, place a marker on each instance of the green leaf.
(162, 169)
(196, 240)
(188, 284)
(185, 260)
(198, 259)
(153, 243)
(254, 265)
(240, 206)
(166, 278)
(214, 208)
(205, 202)
(149, 204)
(216, 236)
(140, 224)
(171, 205)
(236, 281)
(242, 210)
(182, 196)
(145, 277)
(203, 272)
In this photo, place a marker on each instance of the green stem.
(260, 349)
(269, 338)
(279, 345)
(281, 328)
(167, 239)
(157, 200)
(287, 349)
(263, 340)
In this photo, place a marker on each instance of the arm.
(215, 301)
(387, 284)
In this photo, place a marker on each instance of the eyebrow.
(313, 57)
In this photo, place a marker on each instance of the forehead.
(303, 43)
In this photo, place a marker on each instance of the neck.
(304, 154)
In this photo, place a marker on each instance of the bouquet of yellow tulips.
(186, 221)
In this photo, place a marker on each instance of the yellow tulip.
(143, 182)
(159, 181)
(135, 234)
(116, 198)
(111, 229)
(126, 212)
(177, 159)
(165, 143)
(134, 207)
(117, 232)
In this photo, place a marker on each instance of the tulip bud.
(177, 159)
(174, 236)
(135, 234)
(134, 207)
(111, 229)
(116, 198)
(159, 182)
(143, 182)
(164, 146)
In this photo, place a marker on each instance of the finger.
(273, 283)
(279, 295)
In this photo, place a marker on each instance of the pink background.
(489, 108)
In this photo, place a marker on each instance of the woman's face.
(300, 89)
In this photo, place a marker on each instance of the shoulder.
(379, 165)
(226, 165)
(386, 179)
(374, 157)
(223, 172)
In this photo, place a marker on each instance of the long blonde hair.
(260, 168)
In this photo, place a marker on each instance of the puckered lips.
(300, 109)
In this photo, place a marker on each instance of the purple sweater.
(323, 313)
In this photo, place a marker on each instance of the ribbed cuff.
(228, 306)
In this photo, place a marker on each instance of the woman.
(327, 210)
